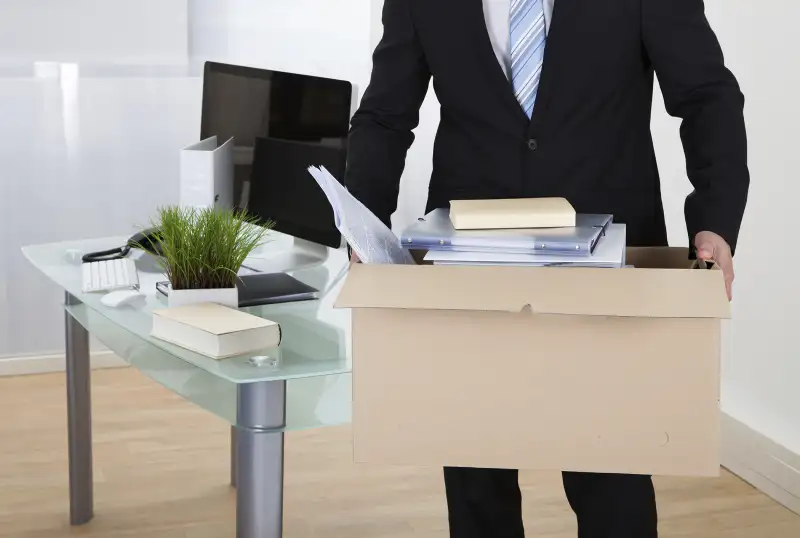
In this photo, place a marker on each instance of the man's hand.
(354, 257)
(712, 247)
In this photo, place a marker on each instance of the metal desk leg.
(261, 408)
(233, 456)
(79, 419)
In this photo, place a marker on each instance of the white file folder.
(609, 253)
(207, 174)
(435, 231)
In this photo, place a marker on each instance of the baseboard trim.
(763, 463)
(43, 364)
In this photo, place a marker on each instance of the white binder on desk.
(207, 174)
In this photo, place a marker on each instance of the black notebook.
(271, 288)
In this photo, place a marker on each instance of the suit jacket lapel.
(488, 59)
(559, 31)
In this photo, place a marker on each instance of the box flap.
(649, 292)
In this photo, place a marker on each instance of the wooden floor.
(161, 471)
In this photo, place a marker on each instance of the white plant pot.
(224, 296)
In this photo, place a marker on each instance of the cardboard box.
(601, 370)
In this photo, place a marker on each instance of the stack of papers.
(594, 241)
(609, 253)
(369, 238)
(435, 231)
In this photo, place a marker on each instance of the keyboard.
(108, 275)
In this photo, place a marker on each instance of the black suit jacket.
(589, 138)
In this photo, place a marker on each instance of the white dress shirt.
(497, 14)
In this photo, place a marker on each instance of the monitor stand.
(285, 254)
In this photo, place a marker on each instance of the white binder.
(609, 253)
(207, 174)
(435, 231)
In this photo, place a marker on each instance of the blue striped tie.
(528, 35)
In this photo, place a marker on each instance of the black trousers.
(487, 503)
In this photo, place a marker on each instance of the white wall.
(762, 369)
(302, 36)
(150, 31)
(89, 118)
(761, 362)
(97, 97)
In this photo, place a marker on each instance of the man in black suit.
(553, 98)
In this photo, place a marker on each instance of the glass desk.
(305, 383)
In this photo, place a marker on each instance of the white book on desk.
(214, 330)
(207, 174)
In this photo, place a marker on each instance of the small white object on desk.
(215, 330)
(118, 298)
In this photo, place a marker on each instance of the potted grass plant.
(202, 250)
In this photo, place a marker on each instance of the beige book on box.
(511, 213)
(214, 330)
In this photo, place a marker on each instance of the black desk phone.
(148, 240)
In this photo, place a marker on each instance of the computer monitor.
(281, 123)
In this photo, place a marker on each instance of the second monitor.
(281, 123)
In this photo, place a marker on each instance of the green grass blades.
(204, 248)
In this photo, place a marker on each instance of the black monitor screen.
(281, 123)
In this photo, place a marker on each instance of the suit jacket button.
(533, 144)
